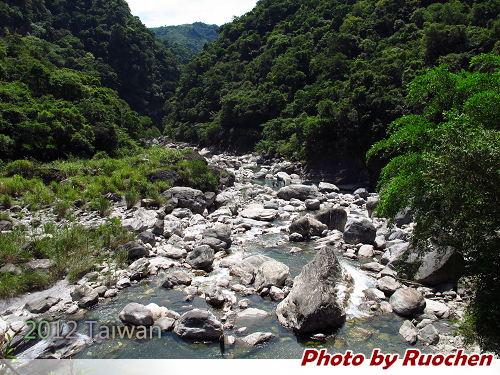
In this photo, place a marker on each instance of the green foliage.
(194, 36)
(132, 197)
(308, 79)
(20, 167)
(6, 201)
(61, 209)
(195, 173)
(48, 112)
(102, 205)
(96, 37)
(73, 250)
(445, 166)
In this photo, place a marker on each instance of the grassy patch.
(75, 251)
(92, 179)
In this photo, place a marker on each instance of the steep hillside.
(100, 36)
(49, 113)
(193, 35)
(317, 78)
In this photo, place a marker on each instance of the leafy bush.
(445, 167)
(21, 167)
(195, 173)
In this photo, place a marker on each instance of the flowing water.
(362, 332)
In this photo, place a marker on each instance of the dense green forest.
(48, 113)
(194, 35)
(99, 36)
(322, 77)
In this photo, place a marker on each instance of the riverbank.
(235, 256)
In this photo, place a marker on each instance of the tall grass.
(75, 251)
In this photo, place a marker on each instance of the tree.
(445, 167)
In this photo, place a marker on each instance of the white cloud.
(154, 13)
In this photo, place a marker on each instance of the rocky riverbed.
(266, 267)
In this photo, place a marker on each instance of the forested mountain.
(101, 36)
(193, 35)
(310, 78)
(48, 113)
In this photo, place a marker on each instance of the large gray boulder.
(171, 227)
(409, 332)
(362, 193)
(84, 295)
(307, 226)
(247, 268)
(318, 297)
(193, 199)
(198, 324)
(326, 187)
(394, 254)
(407, 301)
(360, 231)
(177, 277)
(334, 218)
(147, 237)
(202, 257)
(388, 285)
(258, 212)
(403, 218)
(271, 273)
(158, 227)
(428, 335)
(42, 304)
(371, 205)
(134, 250)
(139, 269)
(221, 232)
(301, 192)
(436, 266)
(258, 338)
(214, 295)
(137, 314)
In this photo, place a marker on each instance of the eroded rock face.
(198, 324)
(317, 299)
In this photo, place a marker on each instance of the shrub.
(61, 209)
(132, 198)
(21, 167)
(6, 201)
(101, 204)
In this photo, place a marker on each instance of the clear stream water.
(383, 328)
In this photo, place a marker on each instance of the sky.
(155, 13)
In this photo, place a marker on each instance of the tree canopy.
(312, 78)
(48, 113)
(445, 167)
(100, 36)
